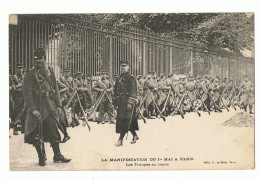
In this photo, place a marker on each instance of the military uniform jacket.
(34, 89)
(103, 84)
(149, 86)
(126, 93)
(68, 81)
(190, 87)
(163, 89)
(39, 95)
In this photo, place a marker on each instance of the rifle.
(66, 107)
(157, 107)
(204, 103)
(223, 102)
(192, 104)
(17, 119)
(94, 108)
(176, 105)
(85, 121)
(168, 96)
(212, 100)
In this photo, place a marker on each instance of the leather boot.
(58, 157)
(41, 154)
(15, 132)
(66, 138)
(135, 138)
(111, 121)
(119, 143)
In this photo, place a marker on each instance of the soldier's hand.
(108, 90)
(59, 109)
(19, 85)
(129, 107)
(37, 114)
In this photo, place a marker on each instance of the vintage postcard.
(149, 91)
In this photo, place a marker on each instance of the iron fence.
(82, 46)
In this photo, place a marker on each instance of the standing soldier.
(140, 88)
(42, 101)
(126, 94)
(190, 89)
(247, 95)
(180, 90)
(84, 95)
(149, 87)
(105, 105)
(215, 94)
(18, 99)
(163, 89)
(67, 79)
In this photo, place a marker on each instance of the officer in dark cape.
(42, 100)
(126, 95)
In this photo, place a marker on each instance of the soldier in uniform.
(66, 79)
(126, 94)
(42, 101)
(163, 89)
(247, 95)
(105, 105)
(190, 88)
(84, 95)
(18, 99)
(215, 94)
(179, 90)
(149, 87)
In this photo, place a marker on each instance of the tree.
(232, 31)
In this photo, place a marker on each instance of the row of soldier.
(158, 97)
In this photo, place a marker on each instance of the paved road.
(190, 143)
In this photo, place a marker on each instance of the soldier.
(169, 83)
(105, 105)
(12, 89)
(42, 101)
(247, 95)
(149, 86)
(63, 119)
(163, 90)
(215, 94)
(66, 79)
(180, 90)
(18, 99)
(190, 88)
(126, 94)
(140, 87)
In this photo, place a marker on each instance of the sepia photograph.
(131, 91)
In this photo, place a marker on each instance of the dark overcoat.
(35, 98)
(126, 93)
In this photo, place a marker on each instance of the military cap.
(124, 62)
(79, 72)
(205, 77)
(88, 75)
(102, 72)
(39, 53)
(170, 74)
(162, 75)
(139, 76)
(198, 77)
(66, 70)
(24, 70)
(19, 66)
(245, 76)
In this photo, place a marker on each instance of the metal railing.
(90, 48)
